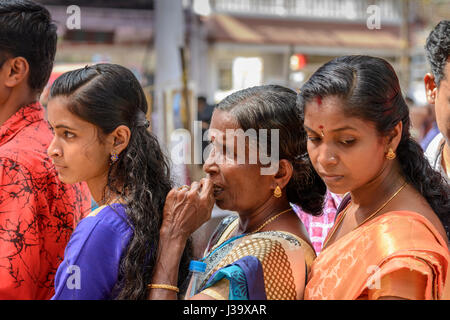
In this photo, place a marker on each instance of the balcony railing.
(390, 10)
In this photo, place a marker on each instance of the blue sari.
(245, 277)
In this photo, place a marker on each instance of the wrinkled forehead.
(221, 122)
(225, 130)
(231, 135)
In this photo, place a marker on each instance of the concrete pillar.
(169, 37)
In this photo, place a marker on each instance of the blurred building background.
(119, 31)
(183, 49)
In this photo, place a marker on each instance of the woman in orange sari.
(390, 238)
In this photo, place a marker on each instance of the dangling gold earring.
(391, 154)
(277, 192)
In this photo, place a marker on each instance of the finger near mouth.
(217, 190)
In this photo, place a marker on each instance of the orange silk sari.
(399, 253)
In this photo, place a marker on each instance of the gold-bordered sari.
(399, 253)
(284, 258)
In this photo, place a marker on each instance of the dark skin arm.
(184, 212)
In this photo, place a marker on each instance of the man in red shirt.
(37, 212)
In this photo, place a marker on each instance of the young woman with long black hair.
(390, 237)
(101, 137)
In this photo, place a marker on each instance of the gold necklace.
(270, 220)
(365, 220)
(257, 229)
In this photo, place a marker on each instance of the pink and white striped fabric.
(318, 227)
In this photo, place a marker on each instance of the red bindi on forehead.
(319, 100)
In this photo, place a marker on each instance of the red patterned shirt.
(37, 212)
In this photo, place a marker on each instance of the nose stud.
(321, 131)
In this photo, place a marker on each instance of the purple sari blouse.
(90, 270)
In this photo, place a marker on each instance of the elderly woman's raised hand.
(187, 208)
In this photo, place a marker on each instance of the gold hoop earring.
(277, 192)
(391, 154)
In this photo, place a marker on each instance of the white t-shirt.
(434, 154)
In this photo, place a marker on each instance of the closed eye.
(348, 142)
(314, 139)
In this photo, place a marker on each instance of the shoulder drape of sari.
(270, 265)
(399, 253)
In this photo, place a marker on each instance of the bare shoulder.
(292, 224)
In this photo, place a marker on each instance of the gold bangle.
(163, 286)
